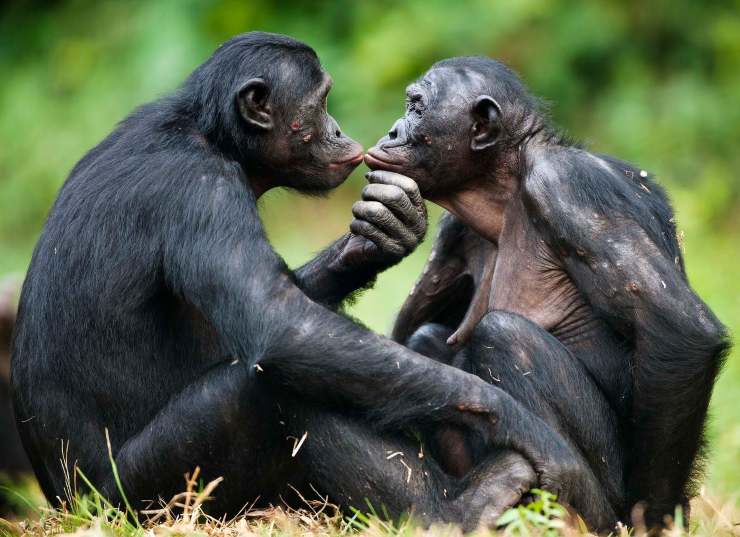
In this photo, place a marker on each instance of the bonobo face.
(439, 141)
(300, 144)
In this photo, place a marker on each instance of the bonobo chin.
(557, 278)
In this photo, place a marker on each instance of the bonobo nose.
(396, 136)
(398, 130)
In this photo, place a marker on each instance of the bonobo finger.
(395, 199)
(357, 250)
(382, 218)
(406, 183)
(381, 240)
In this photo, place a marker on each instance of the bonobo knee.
(431, 340)
(503, 328)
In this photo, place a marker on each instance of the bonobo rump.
(155, 308)
(557, 278)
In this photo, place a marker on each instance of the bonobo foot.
(494, 486)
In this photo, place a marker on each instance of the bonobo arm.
(219, 260)
(606, 219)
(265, 320)
(390, 222)
(349, 264)
(451, 278)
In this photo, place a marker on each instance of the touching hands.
(390, 221)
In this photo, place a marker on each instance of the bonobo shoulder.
(544, 178)
(575, 190)
(550, 189)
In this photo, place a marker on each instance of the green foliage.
(656, 83)
(80, 512)
(543, 516)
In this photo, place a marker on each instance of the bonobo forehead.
(450, 83)
(471, 76)
(301, 81)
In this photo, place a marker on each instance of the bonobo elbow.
(709, 338)
(718, 340)
(291, 315)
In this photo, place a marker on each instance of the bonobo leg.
(526, 361)
(449, 444)
(532, 366)
(353, 465)
(232, 425)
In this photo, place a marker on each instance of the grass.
(91, 515)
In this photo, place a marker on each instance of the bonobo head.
(464, 121)
(261, 99)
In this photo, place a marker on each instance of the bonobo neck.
(482, 203)
(259, 177)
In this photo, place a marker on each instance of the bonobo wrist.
(358, 252)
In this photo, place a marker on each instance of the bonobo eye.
(415, 103)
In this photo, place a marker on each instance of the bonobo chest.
(529, 279)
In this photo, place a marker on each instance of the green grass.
(92, 515)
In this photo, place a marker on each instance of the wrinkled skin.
(556, 277)
(433, 140)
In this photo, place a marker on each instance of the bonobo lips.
(377, 159)
(354, 160)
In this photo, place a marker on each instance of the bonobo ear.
(252, 102)
(486, 123)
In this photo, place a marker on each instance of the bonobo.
(558, 272)
(155, 310)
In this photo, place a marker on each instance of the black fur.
(155, 308)
(643, 340)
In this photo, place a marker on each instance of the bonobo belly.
(529, 279)
(545, 294)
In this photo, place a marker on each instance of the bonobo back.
(95, 309)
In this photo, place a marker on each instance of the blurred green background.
(655, 84)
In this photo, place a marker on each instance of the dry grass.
(92, 516)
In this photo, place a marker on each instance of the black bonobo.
(558, 273)
(156, 310)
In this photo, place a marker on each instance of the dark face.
(441, 139)
(301, 145)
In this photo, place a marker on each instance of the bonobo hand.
(390, 221)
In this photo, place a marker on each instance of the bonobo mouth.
(354, 160)
(377, 159)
